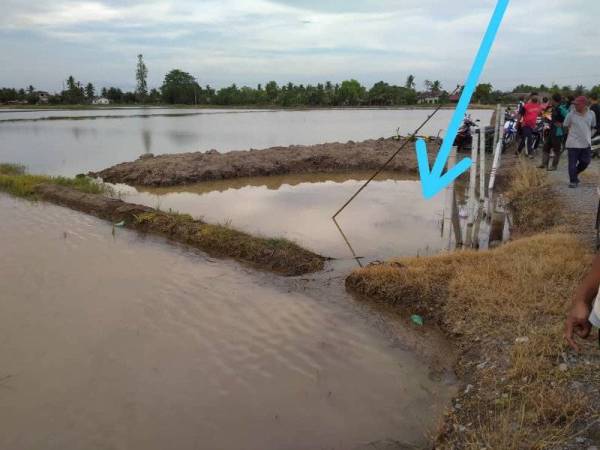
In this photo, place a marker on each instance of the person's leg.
(527, 137)
(546, 154)
(556, 143)
(521, 142)
(583, 160)
(529, 133)
(573, 154)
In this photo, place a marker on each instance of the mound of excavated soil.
(185, 168)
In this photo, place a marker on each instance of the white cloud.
(251, 40)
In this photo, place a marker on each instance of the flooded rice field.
(390, 218)
(81, 141)
(113, 339)
(128, 342)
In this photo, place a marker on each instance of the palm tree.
(410, 82)
(436, 86)
(71, 85)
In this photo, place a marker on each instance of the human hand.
(578, 323)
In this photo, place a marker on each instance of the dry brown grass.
(487, 300)
(415, 284)
(520, 398)
(529, 196)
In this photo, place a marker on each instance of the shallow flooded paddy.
(69, 142)
(389, 218)
(127, 342)
(111, 339)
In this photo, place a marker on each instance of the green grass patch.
(12, 169)
(15, 180)
(276, 254)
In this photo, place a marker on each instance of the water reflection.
(183, 138)
(147, 140)
(390, 218)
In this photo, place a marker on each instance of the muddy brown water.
(389, 218)
(128, 342)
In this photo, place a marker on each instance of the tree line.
(181, 87)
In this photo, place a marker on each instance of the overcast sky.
(303, 41)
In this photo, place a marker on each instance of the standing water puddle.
(128, 342)
(389, 218)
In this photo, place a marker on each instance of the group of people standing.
(573, 123)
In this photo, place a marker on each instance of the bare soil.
(186, 168)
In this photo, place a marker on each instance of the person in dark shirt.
(555, 138)
(595, 108)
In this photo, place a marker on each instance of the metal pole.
(449, 204)
(472, 182)
(495, 166)
(481, 150)
(458, 241)
(357, 258)
(496, 126)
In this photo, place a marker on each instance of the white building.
(101, 101)
(43, 97)
(428, 98)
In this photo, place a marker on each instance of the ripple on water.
(129, 342)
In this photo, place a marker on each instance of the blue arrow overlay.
(432, 181)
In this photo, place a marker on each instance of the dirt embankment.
(186, 168)
(276, 255)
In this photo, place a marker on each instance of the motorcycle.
(464, 137)
(541, 131)
(510, 130)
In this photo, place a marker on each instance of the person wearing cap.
(585, 307)
(580, 122)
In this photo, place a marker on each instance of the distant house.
(428, 98)
(43, 97)
(101, 101)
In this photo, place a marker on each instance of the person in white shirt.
(580, 122)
